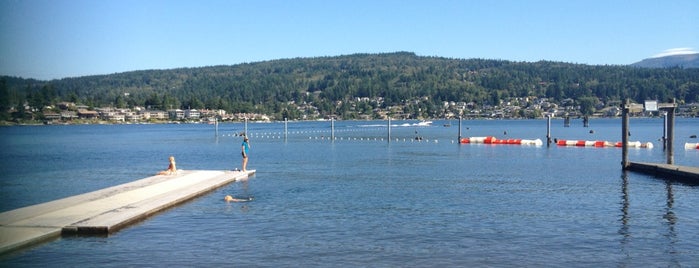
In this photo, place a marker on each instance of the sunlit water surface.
(362, 201)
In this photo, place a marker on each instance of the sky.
(54, 39)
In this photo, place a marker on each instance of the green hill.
(351, 85)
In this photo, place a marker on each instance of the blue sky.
(52, 39)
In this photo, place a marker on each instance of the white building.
(175, 114)
(192, 114)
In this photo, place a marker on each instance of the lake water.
(362, 201)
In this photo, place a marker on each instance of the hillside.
(361, 84)
(681, 61)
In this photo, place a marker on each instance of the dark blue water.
(362, 201)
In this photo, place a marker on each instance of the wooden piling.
(625, 134)
(664, 138)
(670, 132)
(548, 130)
(246, 126)
(389, 130)
(332, 128)
(459, 138)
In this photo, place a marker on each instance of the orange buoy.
(601, 144)
(489, 140)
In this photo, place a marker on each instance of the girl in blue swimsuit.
(244, 151)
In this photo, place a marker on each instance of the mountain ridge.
(671, 61)
(359, 84)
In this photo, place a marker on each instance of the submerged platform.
(107, 210)
(681, 173)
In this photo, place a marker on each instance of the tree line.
(330, 84)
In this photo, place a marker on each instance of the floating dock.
(104, 211)
(680, 173)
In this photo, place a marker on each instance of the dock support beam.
(664, 138)
(388, 137)
(459, 138)
(548, 130)
(286, 128)
(625, 134)
(670, 132)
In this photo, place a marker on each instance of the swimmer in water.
(229, 198)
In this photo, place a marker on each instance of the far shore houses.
(137, 114)
(66, 111)
(509, 109)
(140, 114)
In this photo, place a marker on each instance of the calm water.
(361, 201)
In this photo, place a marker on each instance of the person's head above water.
(229, 198)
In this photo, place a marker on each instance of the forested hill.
(330, 83)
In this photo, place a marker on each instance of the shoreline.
(105, 122)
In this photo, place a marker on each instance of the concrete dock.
(107, 210)
(681, 173)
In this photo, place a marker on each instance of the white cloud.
(676, 51)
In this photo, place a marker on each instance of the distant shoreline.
(105, 122)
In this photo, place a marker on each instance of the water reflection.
(669, 220)
(624, 230)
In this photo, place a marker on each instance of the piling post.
(286, 128)
(459, 138)
(625, 134)
(670, 132)
(332, 128)
(389, 130)
(548, 130)
(216, 125)
(664, 138)
(246, 126)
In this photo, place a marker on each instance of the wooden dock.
(681, 173)
(107, 210)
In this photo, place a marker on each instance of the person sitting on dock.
(229, 198)
(171, 169)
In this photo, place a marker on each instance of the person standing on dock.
(245, 147)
